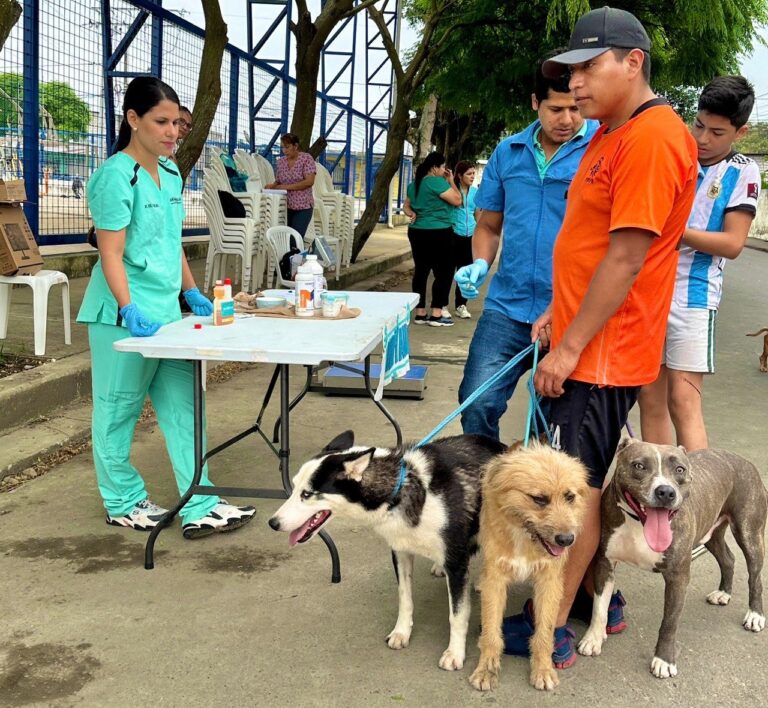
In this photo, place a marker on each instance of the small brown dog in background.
(533, 508)
(764, 355)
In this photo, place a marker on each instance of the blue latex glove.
(469, 278)
(138, 325)
(199, 304)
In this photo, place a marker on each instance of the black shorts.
(586, 422)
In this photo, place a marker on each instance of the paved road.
(243, 619)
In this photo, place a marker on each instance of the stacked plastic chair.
(340, 208)
(230, 236)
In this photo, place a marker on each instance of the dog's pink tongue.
(294, 537)
(657, 529)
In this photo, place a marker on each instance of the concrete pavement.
(241, 618)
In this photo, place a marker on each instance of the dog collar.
(400, 480)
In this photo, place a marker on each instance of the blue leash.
(534, 408)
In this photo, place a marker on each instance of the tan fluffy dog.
(533, 507)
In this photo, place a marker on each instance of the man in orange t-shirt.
(613, 272)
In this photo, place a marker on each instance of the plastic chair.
(279, 243)
(41, 284)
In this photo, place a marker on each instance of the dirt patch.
(92, 553)
(243, 560)
(11, 364)
(41, 673)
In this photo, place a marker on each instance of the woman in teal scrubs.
(137, 209)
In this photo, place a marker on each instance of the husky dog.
(422, 501)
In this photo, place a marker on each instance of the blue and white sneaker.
(222, 518)
(440, 321)
(143, 517)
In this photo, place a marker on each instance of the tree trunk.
(208, 87)
(398, 128)
(426, 128)
(308, 51)
(10, 11)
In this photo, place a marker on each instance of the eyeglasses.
(183, 124)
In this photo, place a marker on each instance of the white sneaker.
(463, 312)
(143, 517)
(446, 313)
(223, 517)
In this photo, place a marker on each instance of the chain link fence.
(72, 138)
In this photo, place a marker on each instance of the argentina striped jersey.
(731, 185)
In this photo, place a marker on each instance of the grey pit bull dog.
(660, 504)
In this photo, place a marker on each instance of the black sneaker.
(420, 319)
(440, 322)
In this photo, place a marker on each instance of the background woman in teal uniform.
(137, 209)
(429, 204)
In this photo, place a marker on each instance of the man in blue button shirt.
(524, 190)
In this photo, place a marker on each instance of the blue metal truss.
(379, 74)
(338, 75)
(263, 51)
(111, 57)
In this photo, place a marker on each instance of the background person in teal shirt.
(464, 222)
(137, 209)
(429, 204)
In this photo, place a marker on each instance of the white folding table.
(270, 340)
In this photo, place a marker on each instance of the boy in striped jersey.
(725, 205)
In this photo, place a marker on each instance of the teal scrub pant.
(121, 382)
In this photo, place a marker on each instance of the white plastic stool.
(40, 283)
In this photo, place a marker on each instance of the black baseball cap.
(594, 34)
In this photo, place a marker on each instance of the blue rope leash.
(534, 408)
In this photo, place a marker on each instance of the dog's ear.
(624, 442)
(341, 442)
(517, 445)
(355, 466)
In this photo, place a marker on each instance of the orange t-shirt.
(641, 175)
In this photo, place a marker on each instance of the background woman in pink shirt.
(296, 174)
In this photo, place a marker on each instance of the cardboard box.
(19, 254)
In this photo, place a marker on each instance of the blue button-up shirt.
(533, 208)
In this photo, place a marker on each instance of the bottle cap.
(198, 326)
(218, 282)
(227, 281)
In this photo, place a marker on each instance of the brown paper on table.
(245, 304)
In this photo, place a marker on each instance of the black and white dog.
(433, 513)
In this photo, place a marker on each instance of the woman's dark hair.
(290, 138)
(434, 159)
(462, 167)
(142, 95)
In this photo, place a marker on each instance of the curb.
(80, 264)
(57, 389)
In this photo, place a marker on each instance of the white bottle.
(305, 291)
(316, 268)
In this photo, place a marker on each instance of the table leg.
(285, 461)
(379, 404)
(197, 368)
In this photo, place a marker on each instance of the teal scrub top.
(123, 195)
(431, 211)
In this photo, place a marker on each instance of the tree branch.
(359, 8)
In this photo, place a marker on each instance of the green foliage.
(68, 110)
(755, 142)
(487, 63)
